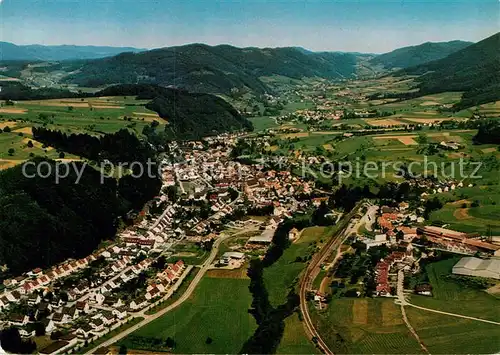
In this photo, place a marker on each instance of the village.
(208, 196)
(81, 300)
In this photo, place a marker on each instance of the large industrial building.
(471, 266)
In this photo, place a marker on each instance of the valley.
(299, 201)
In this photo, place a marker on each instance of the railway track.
(312, 271)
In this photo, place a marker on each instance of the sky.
(331, 25)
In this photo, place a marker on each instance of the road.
(312, 271)
(149, 318)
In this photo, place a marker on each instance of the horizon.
(358, 27)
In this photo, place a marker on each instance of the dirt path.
(403, 302)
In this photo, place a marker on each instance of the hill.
(474, 70)
(189, 115)
(213, 69)
(11, 51)
(415, 55)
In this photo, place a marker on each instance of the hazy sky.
(364, 26)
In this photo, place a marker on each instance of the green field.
(283, 274)
(443, 334)
(91, 115)
(449, 296)
(365, 326)
(481, 219)
(218, 309)
(294, 340)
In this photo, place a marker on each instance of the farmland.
(452, 297)
(217, 310)
(443, 334)
(94, 116)
(365, 326)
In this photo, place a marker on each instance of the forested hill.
(44, 221)
(474, 70)
(213, 69)
(415, 55)
(189, 115)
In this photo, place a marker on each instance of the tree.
(123, 350)
(39, 329)
(30, 144)
(209, 341)
(11, 151)
(61, 155)
(170, 343)
(6, 129)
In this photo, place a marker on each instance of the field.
(482, 219)
(283, 274)
(387, 122)
(218, 309)
(91, 115)
(294, 340)
(443, 334)
(452, 297)
(365, 326)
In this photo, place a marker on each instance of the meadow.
(283, 275)
(443, 334)
(449, 296)
(218, 309)
(365, 326)
(294, 340)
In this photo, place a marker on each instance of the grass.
(443, 334)
(365, 326)
(295, 340)
(218, 309)
(453, 297)
(262, 123)
(283, 274)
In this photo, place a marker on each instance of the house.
(33, 299)
(19, 319)
(97, 325)
(120, 313)
(4, 303)
(25, 333)
(49, 325)
(99, 298)
(57, 317)
(293, 234)
(82, 307)
(43, 308)
(14, 296)
(108, 318)
(85, 331)
(159, 286)
(69, 314)
(424, 289)
(138, 303)
(153, 293)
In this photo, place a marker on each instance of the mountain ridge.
(409, 56)
(11, 51)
